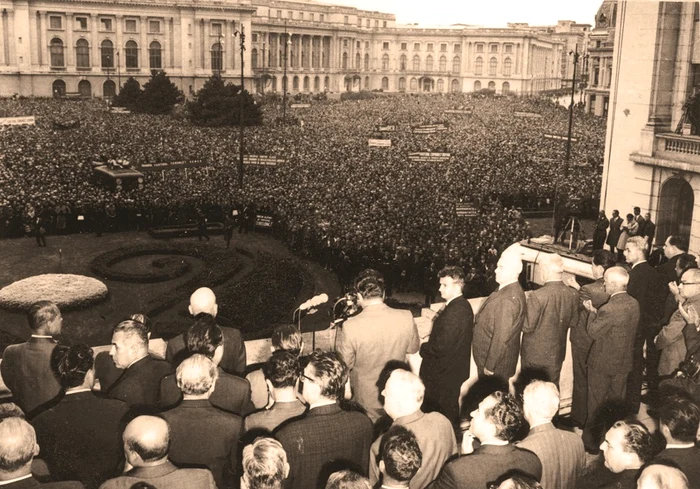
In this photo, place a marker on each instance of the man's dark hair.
(282, 369)
(370, 283)
(204, 336)
(638, 440)
(455, 273)
(70, 364)
(637, 210)
(686, 262)
(507, 415)
(681, 415)
(287, 337)
(132, 328)
(41, 314)
(604, 258)
(401, 454)
(144, 320)
(680, 242)
(518, 479)
(331, 372)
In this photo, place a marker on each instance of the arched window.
(455, 86)
(217, 57)
(82, 54)
(366, 62)
(85, 88)
(366, 83)
(56, 50)
(58, 87)
(402, 84)
(385, 62)
(345, 61)
(109, 89)
(131, 51)
(456, 64)
(443, 63)
(506, 88)
(326, 83)
(402, 62)
(284, 84)
(414, 85)
(295, 83)
(307, 84)
(479, 66)
(385, 83)
(492, 86)
(317, 84)
(507, 66)
(429, 63)
(254, 58)
(107, 52)
(416, 63)
(154, 56)
(477, 86)
(675, 209)
(358, 61)
(441, 85)
(493, 66)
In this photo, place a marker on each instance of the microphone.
(314, 301)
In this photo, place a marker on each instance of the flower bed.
(66, 290)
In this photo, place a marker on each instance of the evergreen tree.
(129, 94)
(218, 104)
(159, 95)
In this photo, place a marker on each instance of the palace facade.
(90, 47)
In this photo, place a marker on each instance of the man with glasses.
(326, 433)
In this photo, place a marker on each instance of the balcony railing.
(677, 148)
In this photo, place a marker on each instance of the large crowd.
(363, 205)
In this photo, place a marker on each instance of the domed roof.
(606, 16)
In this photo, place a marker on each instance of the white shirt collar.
(680, 445)
(4, 483)
(639, 263)
(621, 292)
(76, 391)
(42, 336)
(321, 403)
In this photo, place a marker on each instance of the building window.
(322, 17)
(81, 23)
(443, 63)
(441, 85)
(384, 24)
(107, 54)
(443, 48)
(506, 88)
(507, 66)
(416, 63)
(216, 29)
(416, 46)
(154, 56)
(345, 43)
(55, 22)
(479, 48)
(130, 25)
(358, 58)
(429, 63)
(290, 15)
(82, 54)
(346, 20)
(404, 46)
(358, 45)
(479, 66)
(385, 46)
(402, 62)
(430, 47)
(345, 61)
(493, 66)
(385, 62)
(154, 26)
(255, 37)
(279, 14)
(508, 48)
(457, 48)
(477, 86)
(359, 22)
(414, 84)
(307, 84)
(402, 84)
(56, 50)
(106, 24)
(59, 88)
(376, 23)
(493, 48)
(366, 44)
(301, 15)
(312, 18)
(269, 13)
(385, 83)
(366, 62)
(367, 23)
(131, 50)
(85, 88)
(295, 83)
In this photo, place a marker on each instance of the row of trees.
(216, 104)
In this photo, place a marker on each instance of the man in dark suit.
(679, 419)
(647, 286)
(146, 442)
(139, 382)
(232, 393)
(580, 340)
(233, 360)
(326, 436)
(649, 232)
(400, 457)
(601, 230)
(374, 337)
(26, 367)
(626, 448)
(18, 447)
(495, 423)
(447, 354)
(613, 329)
(200, 434)
(674, 247)
(615, 232)
(500, 320)
(551, 311)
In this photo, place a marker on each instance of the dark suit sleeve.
(240, 361)
(504, 319)
(534, 313)
(447, 333)
(446, 479)
(601, 324)
(247, 406)
(169, 394)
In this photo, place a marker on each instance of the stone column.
(3, 39)
(42, 51)
(119, 43)
(143, 42)
(95, 41)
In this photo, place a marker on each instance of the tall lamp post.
(263, 70)
(119, 72)
(241, 37)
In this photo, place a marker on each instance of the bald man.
(146, 441)
(18, 448)
(613, 329)
(233, 361)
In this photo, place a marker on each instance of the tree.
(159, 95)
(128, 95)
(218, 104)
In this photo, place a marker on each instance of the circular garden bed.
(66, 290)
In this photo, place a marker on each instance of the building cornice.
(110, 5)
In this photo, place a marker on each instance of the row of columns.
(303, 51)
(603, 66)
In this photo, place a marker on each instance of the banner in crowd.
(528, 114)
(387, 128)
(466, 209)
(559, 137)
(379, 143)
(263, 221)
(429, 128)
(262, 160)
(300, 106)
(28, 120)
(172, 165)
(459, 111)
(426, 157)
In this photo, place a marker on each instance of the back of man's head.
(552, 266)
(331, 372)
(41, 317)
(287, 337)
(403, 394)
(400, 455)
(148, 437)
(604, 258)
(203, 300)
(347, 479)
(661, 476)
(640, 245)
(264, 464)
(370, 284)
(204, 336)
(71, 364)
(679, 419)
(506, 415)
(17, 446)
(616, 278)
(540, 401)
(679, 242)
(282, 369)
(196, 375)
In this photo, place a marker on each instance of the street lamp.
(119, 71)
(241, 37)
(287, 42)
(263, 70)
